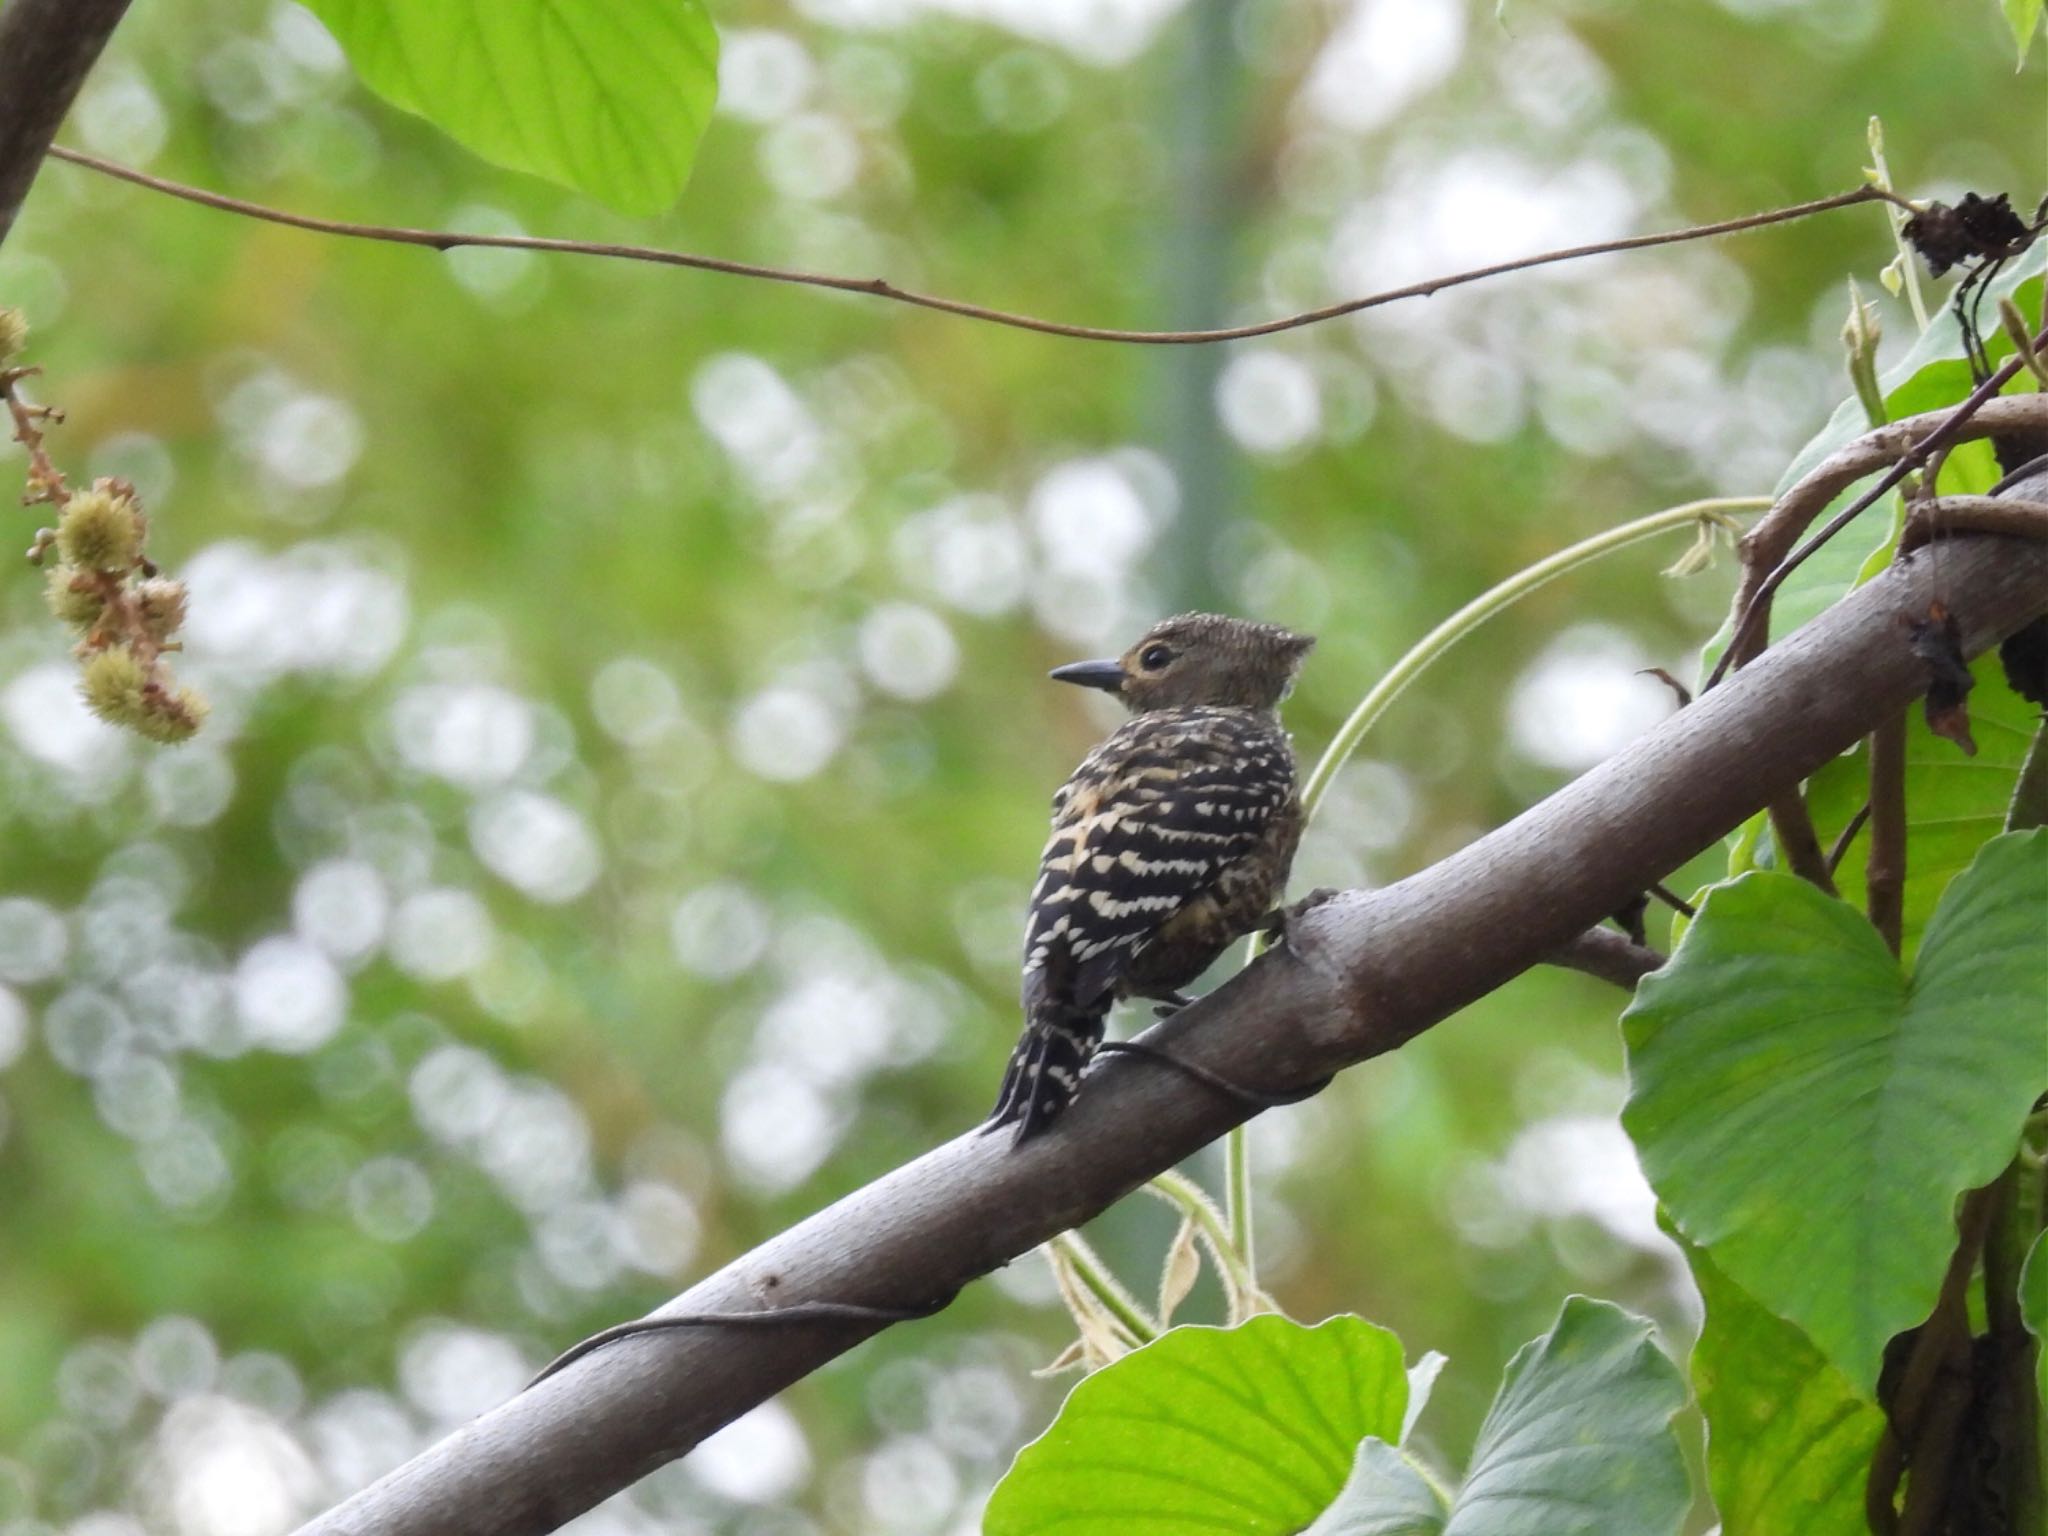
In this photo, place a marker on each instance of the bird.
(1169, 842)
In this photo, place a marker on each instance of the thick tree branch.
(1359, 975)
(46, 47)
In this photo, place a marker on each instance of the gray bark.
(46, 48)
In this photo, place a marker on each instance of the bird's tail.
(1045, 1069)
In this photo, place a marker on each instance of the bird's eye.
(1154, 657)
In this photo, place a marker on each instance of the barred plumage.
(1170, 841)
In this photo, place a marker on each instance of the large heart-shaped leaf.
(1579, 1438)
(607, 96)
(1249, 1429)
(1809, 1116)
(1578, 1443)
(1788, 1440)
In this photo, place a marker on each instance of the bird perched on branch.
(1170, 842)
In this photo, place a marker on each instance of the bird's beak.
(1106, 675)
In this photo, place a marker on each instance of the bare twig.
(46, 48)
(1884, 872)
(1357, 976)
(1846, 838)
(1905, 445)
(1609, 956)
(45, 479)
(1771, 537)
(1798, 843)
(881, 288)
(1673, 900)
(1946, 516)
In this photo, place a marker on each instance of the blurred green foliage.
(630, 744)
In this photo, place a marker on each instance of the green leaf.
(607, 96)
(1579, 1438)
(1788, 1439)
(1932, 375)
(1809, 1117)
(2023, 16)
(1386, 1495)
(1954, 804)
(1422, 1377)
(1250, 1429)
(1578, 1443)
(2034, 1309)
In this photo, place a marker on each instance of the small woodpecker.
(1171, 841)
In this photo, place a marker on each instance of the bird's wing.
(1149, 821)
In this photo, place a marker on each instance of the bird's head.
(1199, 658)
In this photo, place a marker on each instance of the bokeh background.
(630, 741)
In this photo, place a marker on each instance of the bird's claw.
(1280, 919)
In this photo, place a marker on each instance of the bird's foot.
(1280, 919)
(1170, 1003)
